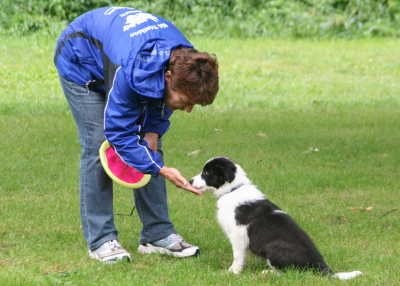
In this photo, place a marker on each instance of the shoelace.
(174, 239)
(170, 240)
(113, 244)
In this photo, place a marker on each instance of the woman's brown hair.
(195, 74)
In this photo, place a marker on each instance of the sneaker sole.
(151, 249)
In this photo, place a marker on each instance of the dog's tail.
(347, 275)
(326, 270)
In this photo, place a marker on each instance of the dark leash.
(130, 214)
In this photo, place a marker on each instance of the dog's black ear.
(226, 169)
(229, 173)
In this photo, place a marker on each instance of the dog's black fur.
(277, 237)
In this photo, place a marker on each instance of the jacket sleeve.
(122, 126)
(157, 119)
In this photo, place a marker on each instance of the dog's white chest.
(226, 217)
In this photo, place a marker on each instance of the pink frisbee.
(119, 171)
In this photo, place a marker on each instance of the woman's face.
(175, 99)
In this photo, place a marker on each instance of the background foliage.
(228, 18)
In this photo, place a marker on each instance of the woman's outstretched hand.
(174, 176)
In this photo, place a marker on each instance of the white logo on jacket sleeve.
(133, 20)
(111, 10)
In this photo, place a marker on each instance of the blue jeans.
(96, 190)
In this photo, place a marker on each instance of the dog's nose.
(191, 181)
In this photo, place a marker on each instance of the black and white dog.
(251, 221)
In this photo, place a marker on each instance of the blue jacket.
(123, 52)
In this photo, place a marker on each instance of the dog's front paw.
(236, 269)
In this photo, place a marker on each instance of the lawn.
(314, 123)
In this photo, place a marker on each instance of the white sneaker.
(110, 252)
(173, 245)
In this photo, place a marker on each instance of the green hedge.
(237, 18)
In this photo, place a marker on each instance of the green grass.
(279, 99)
